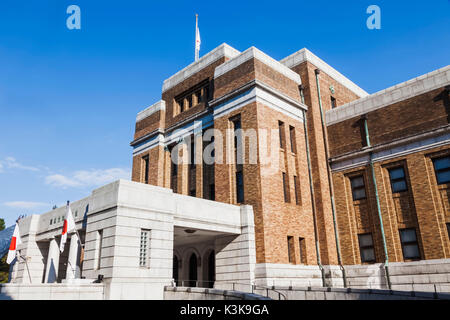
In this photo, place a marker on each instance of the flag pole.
(79, 239)
(196, 28)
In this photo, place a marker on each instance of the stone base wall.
(58, 291)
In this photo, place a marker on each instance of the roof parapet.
(402, 91)
(305, 55)
(160, 105)
(253, 52)
(224, 50)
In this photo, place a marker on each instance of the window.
(333, 103)
(448, 230)
(285, 188)
(410, 246)
(239, 187)
(192, 153)
(398, 180)
(146, 164)
(237, 140)
(198, 96)
(366, 247)
(291, 256)
(212, 192)
(297, 187)
(442, 169)
(292, 138)
(180, 104)
(281, 132)
(191, 98)
(98, 249)
(302, 246)
(174, 177)
(358, 188)
(143, 248)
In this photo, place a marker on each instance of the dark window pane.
(399, 186)
(367, 255)
(397, 173)
(359, 194)
(408, 235)
(357, 182)
(365, 240)
(239, 187)
(411, 251)
(442, 163)
(443, 176)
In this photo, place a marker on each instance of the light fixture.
(190, 231)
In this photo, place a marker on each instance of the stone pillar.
(236, 256)
(73, 262)
(51, 271)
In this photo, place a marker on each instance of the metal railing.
(234, 286)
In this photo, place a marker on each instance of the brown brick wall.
(149, 124)
(251, 70)
(206, 74)
(412, 116)
(424, 207)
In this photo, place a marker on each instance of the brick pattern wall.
(412, 116)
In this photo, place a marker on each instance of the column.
(73, 262)
(51, 271)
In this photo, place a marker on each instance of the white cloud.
(12, 163)
(87, 178)
(25, 204)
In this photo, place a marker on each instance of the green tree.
(4, 267)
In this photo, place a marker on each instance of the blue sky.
(68, 98)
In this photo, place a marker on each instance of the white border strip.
(305, 55)
(223, 50)
(262, 96)
(402, 91)
(253, 52)
(392, 152)
(160, 105)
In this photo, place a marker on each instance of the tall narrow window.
(192, 153)
(448, 230)
(297, 188)
(146, 164)
(238, 158)
(358, 188)
(286, 188)
(98, 249)
(333, 103)
(189, 101)
(239, 187)
(410, 246)
(290, 242)
(281, 133)
(302, 246)
(398, 179)
(292, 139)
(212, 192)
(143, 248)
(174, 176)
(442, 169)
(366, 248)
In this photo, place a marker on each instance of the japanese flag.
(69, 226)
(15, 241)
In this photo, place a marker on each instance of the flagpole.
(79, 239)
(196, 28)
